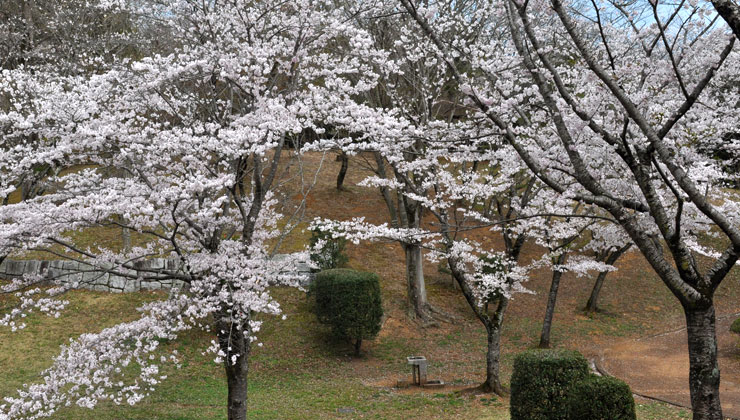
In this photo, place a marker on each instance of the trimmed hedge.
(541, 381)
(735, 327)
(601, 398)
(349, 301)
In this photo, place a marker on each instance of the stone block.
(280, 257)
(73, 265)
(102, 279)
(132, 285)
(89, 277)
(303, 268)
(32, 267)
(307, 280)
(172, 264)
(70, 272)
(54, 270)
(157, 264)
(16, 268)
(122, 270)
(117, 282)
(150, 285)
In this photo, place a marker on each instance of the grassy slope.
(301, 373)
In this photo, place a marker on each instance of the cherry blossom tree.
(68, 36)
(455, 170)
(492, 195)
(188, 148)
(487, 278)
(620, 105)
(415, 88)
(560, 237)
(609, 243)
(58, 38)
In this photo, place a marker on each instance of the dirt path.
(658, 366)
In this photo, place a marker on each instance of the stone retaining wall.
(91, 278)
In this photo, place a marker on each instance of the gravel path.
(658, 366)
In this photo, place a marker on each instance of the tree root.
(484, 388)
(431, 316)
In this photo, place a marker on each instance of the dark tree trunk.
(703, 367)
(493, 353)
(730, 12)
(28, 8)
(236, 376)
(551, 299)
(358, 346)
(492, 322)
(386, 192)
(342, 171)
(417, 294)
(593, 301)
(236, 347)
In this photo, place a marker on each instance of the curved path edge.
(656, 367)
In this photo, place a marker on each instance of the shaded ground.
(658, 366)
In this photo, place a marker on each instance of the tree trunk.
(593, 301)
(417, 293)
(551, 298)
(493, 325)
(358, 346)
(730, 13)
(236, 347)
(125, 236)
(28, 8)
(703, 367)
(126, 239)
(493, 353)
(342, 171)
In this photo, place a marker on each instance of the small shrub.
(601, 398)
(735, 327)
(444, 268)
(328, 252)
(541, 381)
(350, 302)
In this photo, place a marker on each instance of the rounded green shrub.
(349, 301)
(601, 398)
(328, 251)
(541, 381)
(735, 327)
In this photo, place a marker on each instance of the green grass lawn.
(300, 372)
